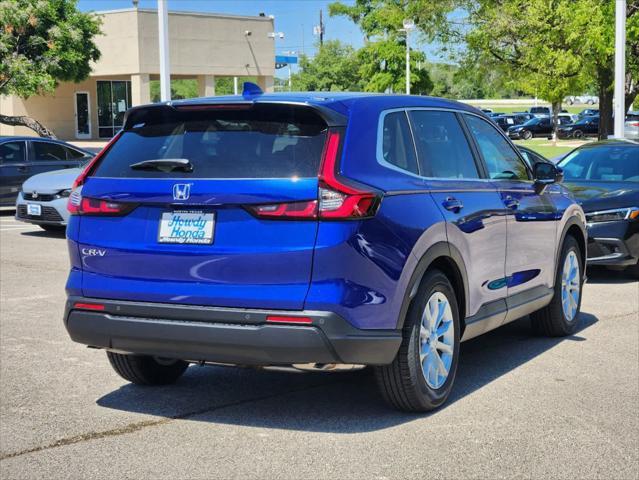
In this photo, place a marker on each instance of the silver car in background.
(631, 129)
(43, 199)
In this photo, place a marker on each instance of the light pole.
(408, 26)
(163, 31)
(620, 67)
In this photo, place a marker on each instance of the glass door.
(114, 98)
(82, 115)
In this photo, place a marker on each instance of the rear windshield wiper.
(164, 165)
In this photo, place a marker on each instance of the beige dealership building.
(202, 46)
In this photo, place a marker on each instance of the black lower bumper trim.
(226, 335)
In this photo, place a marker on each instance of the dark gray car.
(23, 157)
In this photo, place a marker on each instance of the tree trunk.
(27, 122)
(605, 78)
(556, 108)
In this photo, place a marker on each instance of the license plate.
(187, 227)
(34, 209)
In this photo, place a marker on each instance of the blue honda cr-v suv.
(273, 229)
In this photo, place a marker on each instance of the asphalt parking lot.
(523, 406)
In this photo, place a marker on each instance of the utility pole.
(620, 68)
(163, 31)
(321, 29)
(408, 26)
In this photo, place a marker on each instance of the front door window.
(114, 98)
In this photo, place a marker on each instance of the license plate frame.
(34, 209)
(185, 227)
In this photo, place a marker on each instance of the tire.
(53, 228)
(145, 370)
(403, 383)
(526, 134)
(553, 320)
(577, 134)
(633, 270)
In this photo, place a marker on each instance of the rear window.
(259, 141)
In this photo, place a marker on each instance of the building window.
(114, 98)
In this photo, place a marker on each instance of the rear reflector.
(88, 306)
(288, 319)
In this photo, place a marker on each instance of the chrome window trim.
(379, 150)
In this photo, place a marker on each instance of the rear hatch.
(206, 205)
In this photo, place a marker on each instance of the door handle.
(511, 202)
(22, 169)
(452, 204)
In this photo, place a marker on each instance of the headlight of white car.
(64, 193)
(630, 213)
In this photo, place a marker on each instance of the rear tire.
(526, 134)
(146, 370)
(561, 316)
(415, 381)
(577, 134)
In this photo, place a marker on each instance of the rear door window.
(397, 146)
(47, 152)
(262, 141)
(442, 147)
(12, 152)
(73, 154)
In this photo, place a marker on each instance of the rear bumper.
(226, 335)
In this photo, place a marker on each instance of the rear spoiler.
(137, 115)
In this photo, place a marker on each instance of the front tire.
(423, 372)
(526, 134)
(577, 134)
(146, 370)
(561, 316)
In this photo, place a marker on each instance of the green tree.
(333, 68)
(383, 58)
(43, 43)
(534, 44)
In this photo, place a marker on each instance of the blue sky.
(295, 18)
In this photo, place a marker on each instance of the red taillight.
(288, 319)
(285, 210)
(75, 199)
(88, 306)
(91, 166)
(337, 199)
(96, 206)
(633, 124)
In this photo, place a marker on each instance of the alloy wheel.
(570, 286)
(436, 340)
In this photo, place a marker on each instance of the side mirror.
(546, 174)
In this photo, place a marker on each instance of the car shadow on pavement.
(602, 275)
(45, 233)
(345, 402)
